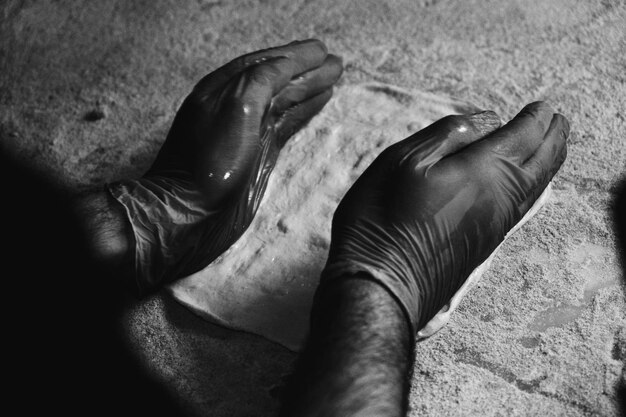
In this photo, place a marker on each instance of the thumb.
(446, 136)
(228, 155)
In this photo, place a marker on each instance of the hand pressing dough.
(265, 282)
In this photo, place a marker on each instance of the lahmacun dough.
(265, 282)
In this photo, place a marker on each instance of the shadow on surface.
(211, 369)
(619, 224)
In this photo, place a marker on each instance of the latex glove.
(433, 207)
(209, 177)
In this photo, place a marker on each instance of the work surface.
(89, 93)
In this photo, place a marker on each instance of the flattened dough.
(265, 282)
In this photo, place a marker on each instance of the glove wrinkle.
(210, 175)
(432, 208)
(172, 237)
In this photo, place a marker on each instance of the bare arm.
(404, 238)
(358, 358)
(107, 231)
(206, 183)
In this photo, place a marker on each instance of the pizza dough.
(265, 282)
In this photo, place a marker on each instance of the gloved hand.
(209, 177)
(433, 207)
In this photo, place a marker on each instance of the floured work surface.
(265, 282)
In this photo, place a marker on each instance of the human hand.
(433, 207)
(208, 179)
(229, 130)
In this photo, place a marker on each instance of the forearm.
(107, 231)
(358, 358)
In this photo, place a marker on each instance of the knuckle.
(247, 61)
(392, 156)
(537, 107)
(389, 153)
(395, 148)
(193, 100)
(267, 72)
(538, 113)
(479, 163)
(453, 121)
(236, 105)
(467, 162)
(261, 74)
(456, 123)
(531, 113)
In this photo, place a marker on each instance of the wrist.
(389, 271)
(356, 293)
(107, 231)
(175, 234)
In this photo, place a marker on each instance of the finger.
(225, 161)
(542, 162)
(520, 138)
(306, 55)
(547, 160)
(445, 137)
(296, 117)
(309, 84)
(257, 84)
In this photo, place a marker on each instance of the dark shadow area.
(243, 373)
(619, 221)
(619, 224)
(66, 353)
(233, 373)
(210, 369)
